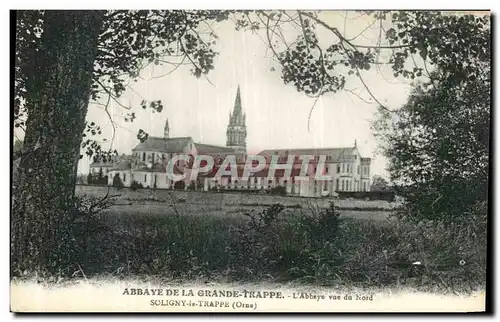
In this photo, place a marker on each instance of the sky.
(276, 114)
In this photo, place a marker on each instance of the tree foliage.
(413, 43)
(438, 147)
(128, 42)
(438, 142)
(380, 184)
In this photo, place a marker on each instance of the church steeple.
(166, 130)
(237, 102)
(236, 130)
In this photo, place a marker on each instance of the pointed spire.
(237, 102)
(355, 143)
(236, 130)
(166, 130)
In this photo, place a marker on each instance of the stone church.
(147, 165)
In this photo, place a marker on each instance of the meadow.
(233, 237)
(158, 202)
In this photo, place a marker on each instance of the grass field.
(148, 208)
(250, 238)
(228, 205)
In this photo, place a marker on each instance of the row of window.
(345, 184)
(348, 185)
(344, 168)
(347, 168)
(143, 156)
(329, 158)
(341, 184)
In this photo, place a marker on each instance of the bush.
(279, 190)
(117, 181)
(136, 185)
(179, 185)
(317, 246)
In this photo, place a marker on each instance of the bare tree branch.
(112, 96)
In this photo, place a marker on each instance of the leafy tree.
(57, 93)
(438, 147)
(64, 59)
(379, 184)
(438, 142)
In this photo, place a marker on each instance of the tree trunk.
(57, 103)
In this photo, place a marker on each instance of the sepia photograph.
(245, 161)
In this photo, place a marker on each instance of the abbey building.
(149, 163)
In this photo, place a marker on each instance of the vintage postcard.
(250, 161)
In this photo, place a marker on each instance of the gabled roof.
(212, 149)
(122, 165)
(114, 160)
(158, 167)
(335, 153)
(101, 164)
(366, 160)
(158, 144)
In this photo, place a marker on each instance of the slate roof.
(122, 165)
(335, 153)
(158, 144)
(101, 164)
(111, 164)
(158, 167)
(214, 149)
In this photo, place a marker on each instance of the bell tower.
(236, 130)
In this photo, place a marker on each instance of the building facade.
(149, 161)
